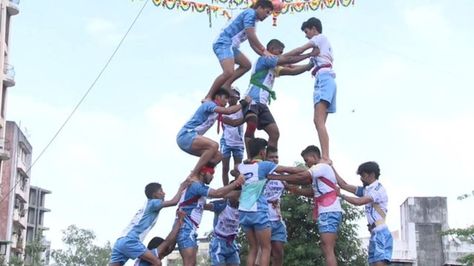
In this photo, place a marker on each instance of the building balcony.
(21, 166)
(4, 154)
(9, 77)
(13, 7)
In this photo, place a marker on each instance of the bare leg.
(208, 150)
(189, 256)
(264, 242)
(227, 72)
(273, 135)
(225, 171)
(244, 67)
(151, 258)
(320, 116)
(250, 119)
(253, 247)
(328, 242)
(277, 253)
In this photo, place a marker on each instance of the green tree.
(80, 249)
(303, 239)
(465, 234)
(35, 249)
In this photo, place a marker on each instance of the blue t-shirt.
(192, 202)
(203, 118)
(234, 31)
(255, 173)
(264, 73)
(144, 220)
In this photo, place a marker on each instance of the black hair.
(151, 188)
(221, 92)
(311, 149)
(256, 145)
(369, 168)
(271, 149)
(274, 43)
(263, 4)
(155, 242)
(312, 23)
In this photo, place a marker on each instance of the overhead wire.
(76, 107)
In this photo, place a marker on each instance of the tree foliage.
(80, 249)
(303, 238)
(466, 234)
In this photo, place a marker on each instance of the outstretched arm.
(175, 199)
(301, 178)
(356, 200)
(295, 70)
(232, 109)
(307, 192)
(167, 246)
(301, 49)
(221, 192)
(233, 122)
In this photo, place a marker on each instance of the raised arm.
(175, 199)
(167, 246)
(295, 70)
(223, 191)
(301, 178)
(343, 184)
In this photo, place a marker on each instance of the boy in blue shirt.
(129, 245)
(374, 196)
(253, 205)
(163, 247)
(267, 68)
(190, 138)
(192, 203)
(226, 47)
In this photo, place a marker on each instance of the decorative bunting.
(286, 6)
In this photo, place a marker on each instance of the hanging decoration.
(225, 7)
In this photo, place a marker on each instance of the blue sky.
(404, 100)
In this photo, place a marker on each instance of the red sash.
(325, 199)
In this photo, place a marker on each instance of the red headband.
(207, 170)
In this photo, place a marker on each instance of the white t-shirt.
(233, 136)
(320, 188)
(379, 195)
(325, 56)
(273, 191)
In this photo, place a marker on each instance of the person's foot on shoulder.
(326, 161)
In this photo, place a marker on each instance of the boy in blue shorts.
(327, 209)
(190, 138)
(324, 95)
(374, 196)
(129, 245)
(163, 247)
(226, 47)
(223, 249)
(232, 143)
(192, 203)
(253, 205)
(267, 68)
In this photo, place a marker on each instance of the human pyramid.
(252, 200)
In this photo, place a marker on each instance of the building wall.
(16, 173)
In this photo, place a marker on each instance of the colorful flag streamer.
(217, 8)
